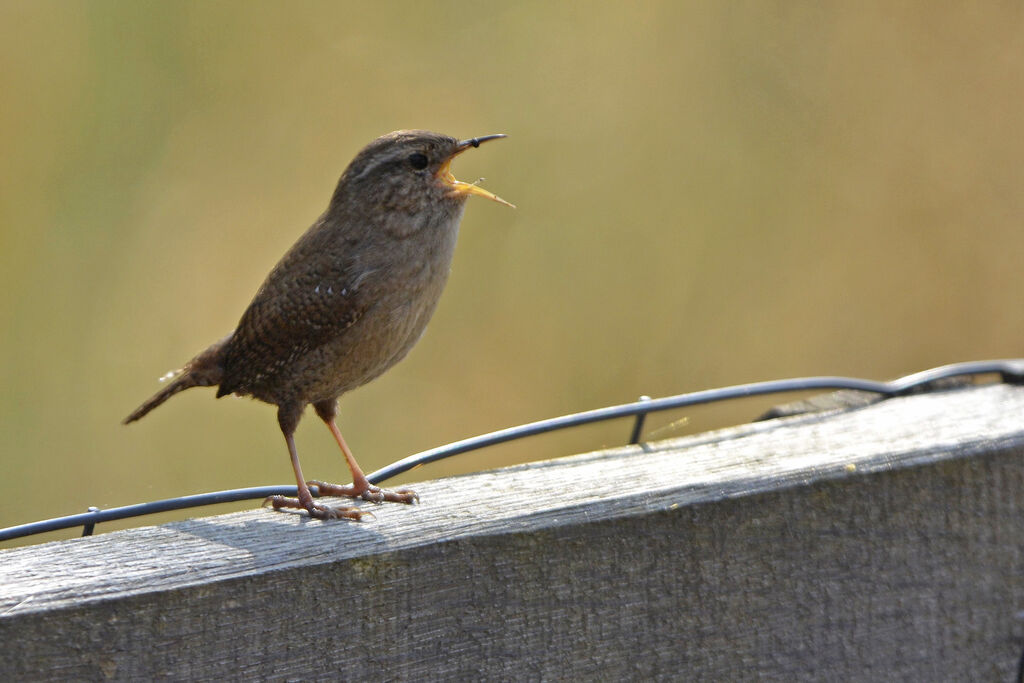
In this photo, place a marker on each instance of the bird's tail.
(205, 370)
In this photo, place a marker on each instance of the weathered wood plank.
(877, 543)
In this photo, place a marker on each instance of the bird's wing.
(307, 300)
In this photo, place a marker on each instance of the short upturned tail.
(205, 370)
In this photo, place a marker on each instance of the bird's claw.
(373, 494)
(316, 510)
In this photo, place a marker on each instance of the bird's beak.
(458, 187)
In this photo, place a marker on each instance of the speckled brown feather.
(307, 300)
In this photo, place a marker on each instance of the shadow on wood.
(878, 543)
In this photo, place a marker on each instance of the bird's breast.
(399, 293)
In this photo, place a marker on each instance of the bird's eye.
(418, 161)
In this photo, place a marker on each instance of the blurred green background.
(709, 193)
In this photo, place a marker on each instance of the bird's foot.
(315, 510)
(369, 492)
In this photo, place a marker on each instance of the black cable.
(95, 515)
(1010, 371)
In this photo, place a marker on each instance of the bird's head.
(410, 171)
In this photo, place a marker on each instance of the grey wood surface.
(881, 543)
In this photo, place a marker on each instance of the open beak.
(457, 186)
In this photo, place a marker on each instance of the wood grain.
(876, 543)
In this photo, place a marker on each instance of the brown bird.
(349, 299)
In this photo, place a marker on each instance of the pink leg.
(305, 499)
(360, 487)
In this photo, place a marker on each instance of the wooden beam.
(881, 543)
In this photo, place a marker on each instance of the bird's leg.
(360, 486)
(289, 421)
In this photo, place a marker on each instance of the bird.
(346, 302)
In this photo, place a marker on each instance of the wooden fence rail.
(882, 543)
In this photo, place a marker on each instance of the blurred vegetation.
(709, 193)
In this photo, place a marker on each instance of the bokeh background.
(709, 193)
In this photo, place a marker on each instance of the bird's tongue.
(459, 188)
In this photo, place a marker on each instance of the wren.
(347, 301)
